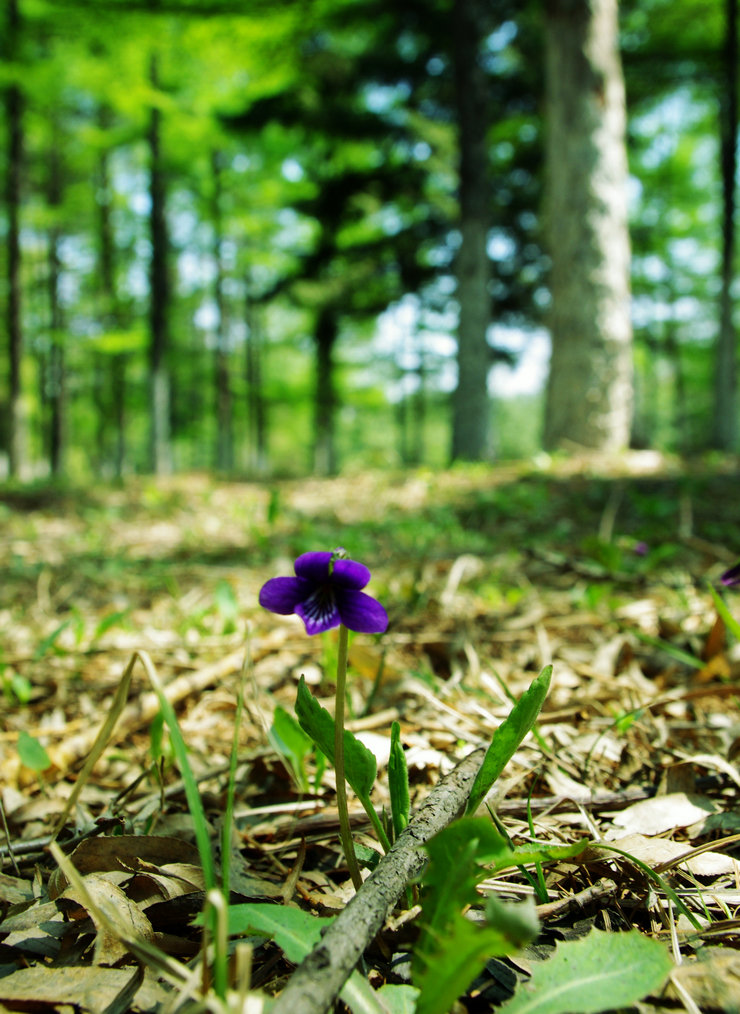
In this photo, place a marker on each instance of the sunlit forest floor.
(488, 574)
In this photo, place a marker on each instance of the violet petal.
(731, 577)
(314, 567)
(282, 594)
(361, 613)
(350, 574)
(319, 611)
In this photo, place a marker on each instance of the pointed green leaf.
(297, 933)
(603, 971)
(399, 998)
(360, 766)
(508, 736)
(462, 952)
(398, 781)
(32, 753)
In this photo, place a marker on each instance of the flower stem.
(345, 832)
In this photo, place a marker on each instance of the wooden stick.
(316, 982)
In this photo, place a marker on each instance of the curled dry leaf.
(123, 915)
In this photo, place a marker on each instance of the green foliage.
(16, 687)
(360, 764)
(603, 971)
(227, 607)
(451, 950)
(508, 736)
(729, 620)
(289, 740)
(297, 932)
(398, 781)
(32, 753)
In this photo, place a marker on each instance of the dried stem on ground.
(317, 981)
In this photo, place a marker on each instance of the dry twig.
(317, 981)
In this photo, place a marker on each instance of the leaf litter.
(601, 570)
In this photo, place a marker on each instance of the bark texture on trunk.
(221, 370)
(159, 295)
(55, 378)
(470, 403)
(325, 337)
(256, 409)
(589, 392)
(725, 376)
(17, 423)
(115, 374)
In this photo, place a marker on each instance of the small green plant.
(326, 592)
(291, 743)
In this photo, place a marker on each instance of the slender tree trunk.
(589, 392)
(325, 336)
(725, 378)
(116, 362)
(55, 380)
(470, 404)
(256, 413)
(159, 375)
(17, 422)
(222, 378)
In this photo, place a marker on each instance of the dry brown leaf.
(712, 981)
(661, 813)
(14, 890)
(124, 852)
(657, 851)
(123, 914)
(93, 990)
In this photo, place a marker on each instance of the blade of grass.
(669, 649)
(101, 740)
(730, 622)
(195, 804)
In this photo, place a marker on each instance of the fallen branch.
(316, 982)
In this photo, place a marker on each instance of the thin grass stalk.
(345, 831)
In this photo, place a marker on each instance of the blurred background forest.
(262, 237)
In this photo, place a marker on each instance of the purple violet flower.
(324, 593)
(731, 577)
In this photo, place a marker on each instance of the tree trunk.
(114, 376)
(222, 378)
(325, 336)
(589, 391)
(159, 295)
(55, 379)
(725, 377)
(17, 423)
(470, 404)
(256, 414)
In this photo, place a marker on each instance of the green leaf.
(360, 766)
(398, 780)
(524, 854)
(32, 753)
(462, 952)
(294, 931)
(297, 933)
(227, 606)
(108, 621)
(291, 742)
(399, 998)
(508, 736)
(47, 643)
(730, 622)
(450, 881)
(603, 971)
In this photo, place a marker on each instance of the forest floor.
(601, 568)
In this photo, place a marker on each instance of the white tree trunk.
(589, 393)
